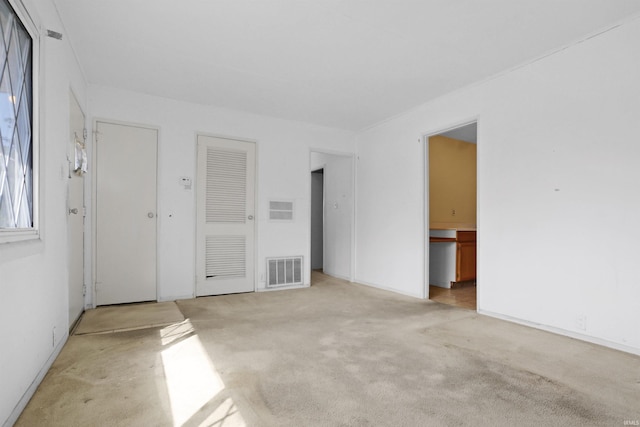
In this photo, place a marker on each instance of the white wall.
(33, 275)
(390, 241)
(338, 212)
(558, 151)
(283, 172)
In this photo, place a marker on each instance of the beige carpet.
(335, 354)
(128, 317)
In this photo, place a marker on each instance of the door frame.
(256, 205)
(84, 251)
(353, 157)
(94, 199)
(314, 170)
(425, 144)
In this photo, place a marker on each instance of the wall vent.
(280, 210)
(285, 271)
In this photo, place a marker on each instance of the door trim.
(91, 297)
(354, 207)
(425, 193)
(74, 98)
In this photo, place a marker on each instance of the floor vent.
(286, 271)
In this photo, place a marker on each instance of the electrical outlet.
(453, 212)
(53, 336)
(581, 323)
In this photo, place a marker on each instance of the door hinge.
(84, 134)
(84, 290)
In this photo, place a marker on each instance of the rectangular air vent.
(280, 210)
(285, 271)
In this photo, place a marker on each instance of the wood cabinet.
(452, 256)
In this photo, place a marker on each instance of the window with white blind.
(17, 148)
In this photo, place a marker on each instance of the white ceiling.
(341, 63)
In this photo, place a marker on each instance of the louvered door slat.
(226, 191)
(225, 256)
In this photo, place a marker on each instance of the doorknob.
(250, 217)
(73, 211)
(150, 214)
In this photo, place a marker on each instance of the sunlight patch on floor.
(226, 414)
(176, 331)
(192, 380)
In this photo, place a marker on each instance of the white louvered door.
(225, 216)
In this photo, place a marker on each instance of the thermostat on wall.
(185, 181)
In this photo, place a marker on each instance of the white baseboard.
(564, 332)
(28, 394)
(176, 298)
(385, 288)
(338, 276)
(282, 288)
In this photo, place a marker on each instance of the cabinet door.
(465, 261)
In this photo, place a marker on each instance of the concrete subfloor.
(334, 354)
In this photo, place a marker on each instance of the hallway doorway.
(317, 219)
(332, 214)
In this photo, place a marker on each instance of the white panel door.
(126, 164)
(75, 213)
(225, 216)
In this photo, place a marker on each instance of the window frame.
(8, 235)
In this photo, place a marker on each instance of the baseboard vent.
(285, 271)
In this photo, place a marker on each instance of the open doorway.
(452, 186)
(317, 219)
(332, 214)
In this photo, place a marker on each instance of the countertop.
(452, 226)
